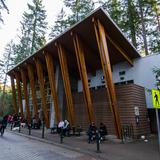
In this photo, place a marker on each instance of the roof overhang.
(85, 30)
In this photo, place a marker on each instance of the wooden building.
(53, 73)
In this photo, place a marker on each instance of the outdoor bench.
(77, 130)
(54, 129)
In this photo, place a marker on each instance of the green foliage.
(78, 8)
(7, 103)
(7, 64)
(152, 14)
(125, 15)
(2, 7)
(139, 20)
(61, 24)
(156, 71)
(33, 29)
(113, 7)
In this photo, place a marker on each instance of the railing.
(127, 132)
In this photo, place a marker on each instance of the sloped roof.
(85, 30)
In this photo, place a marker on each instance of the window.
(122, 73)
(121, 78)
(102, 78)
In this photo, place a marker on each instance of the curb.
(93, 154)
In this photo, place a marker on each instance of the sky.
(9, 29)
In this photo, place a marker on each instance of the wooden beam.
(40, 74)
(24, 81)
(121, 51)
(83, 75)
(129, 60)
(33, 89)
(14, 95)
(17, 75)
(51, 76)
(66, 82)
(106, 66)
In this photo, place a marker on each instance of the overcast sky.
(8, 30)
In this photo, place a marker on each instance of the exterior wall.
(141, 74)
(128, 97)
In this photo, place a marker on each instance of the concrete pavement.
(138, 150)
(15, 147)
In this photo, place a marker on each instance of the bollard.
(61, 136)
(19, 126)
(29, 128)
(43, 129)
(11, 126)
(98, 141)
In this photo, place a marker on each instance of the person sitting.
(39, 123)
(91, 132)
(15, 120)
(60, 126)
(102, 131)
(66, 128)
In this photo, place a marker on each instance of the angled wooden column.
(14, 95)
(17, 75)
(106, 66)
(33, 89)
(51, 76)
(123, 54)
(39, 69)
(66, 82)
(83, 75)
(24, 81)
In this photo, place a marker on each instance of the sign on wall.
(156, 98)
(136, 111)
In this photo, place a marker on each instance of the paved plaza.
(15, 147)
(22, 145)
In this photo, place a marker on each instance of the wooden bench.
(54, 129)
(77, 131)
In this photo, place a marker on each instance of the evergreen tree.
(144, 32)
(5, 67)
(155, 5)
(153, 25)
(2, 6)
(33, 28)
(79, 9)
(132, 22)
(125, 15)
(7, 61)
(60, 25)
(113, 7)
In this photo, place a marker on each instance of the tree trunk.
(143, 28)
(131, 24)
(33, 36)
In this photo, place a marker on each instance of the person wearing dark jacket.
(102, 131)
(3, 124)
(91, 132)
